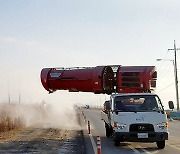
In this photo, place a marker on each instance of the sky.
(67, 33)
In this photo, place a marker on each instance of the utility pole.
(9, 96)
(19, 98)
(175, 74)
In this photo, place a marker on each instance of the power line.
(164, 73)
(163, 65)
(165, 87)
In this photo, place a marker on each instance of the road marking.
(155, 151)
(146, 151)
(173, 146)
(132, 148)
(93, 143)
(174, 137)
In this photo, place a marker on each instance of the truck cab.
(136, 117)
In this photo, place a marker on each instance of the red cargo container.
(98, 79)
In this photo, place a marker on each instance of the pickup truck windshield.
(138, 103)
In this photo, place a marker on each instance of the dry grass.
(8, 119)
(8, 123)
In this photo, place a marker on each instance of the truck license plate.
(142, 135)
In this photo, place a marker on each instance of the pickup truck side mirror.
(171, 105)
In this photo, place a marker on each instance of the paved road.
(97, 129)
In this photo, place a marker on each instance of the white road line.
(174, 137)
(173, 146)
(146, 151)
(155, 151)
(93, 144)
(133, 148)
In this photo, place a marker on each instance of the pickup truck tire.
(160, 144)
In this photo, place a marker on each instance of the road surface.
(107, 147)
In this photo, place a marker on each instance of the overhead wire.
(165, 87)
(164, 73)
(163, 65)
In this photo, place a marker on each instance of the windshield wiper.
(150, 109)
(144, 109)
(157, 109)
(125, 110)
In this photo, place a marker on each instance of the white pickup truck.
(138, 117)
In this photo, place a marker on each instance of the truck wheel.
(108, 133)
(160, 144)
(116, 141)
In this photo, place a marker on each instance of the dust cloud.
(26, 94)
(42, 115)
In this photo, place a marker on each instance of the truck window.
(138, 103)
(149, 103)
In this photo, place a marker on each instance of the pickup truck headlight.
(163, 125)
(119, 125)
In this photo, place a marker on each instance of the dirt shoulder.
(43, 130)
(42, 140)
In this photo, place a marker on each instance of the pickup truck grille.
(141, 128)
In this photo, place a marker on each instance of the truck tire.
(116, 141)
(108, 131)
(108, 134)
(161, 144)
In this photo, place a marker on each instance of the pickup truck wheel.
(160, 144)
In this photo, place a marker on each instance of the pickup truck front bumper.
(136, 137)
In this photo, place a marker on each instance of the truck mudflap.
(141, 137)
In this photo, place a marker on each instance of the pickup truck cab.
(135, 117)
